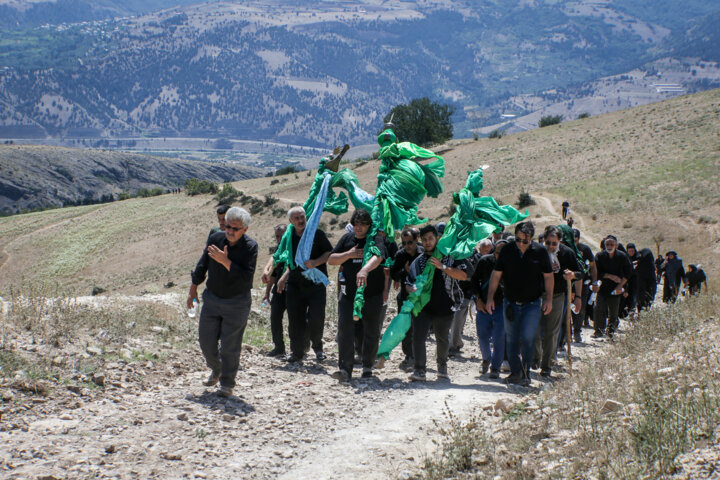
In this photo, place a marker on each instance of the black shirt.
(523, 278)
(587, 254)
(276, 274)
(391, 247)
(398, 272)
(321, 245)
(618, 265)
(440, 303)
(466, 285)
(480, 281)
(221, 282)
(350, 268)
(568, 260)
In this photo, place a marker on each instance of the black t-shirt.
(618, 265)
(440, 303)
(391, 247)
(398, 272)
(587, 254)
(480, 281)
(321, 244)
(568, 261)
(350, 268)
(523, 278)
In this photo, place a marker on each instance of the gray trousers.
(548, 333)
(441, 328)
(222, 324)
(458, 324)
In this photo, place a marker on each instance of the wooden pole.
(568, 330)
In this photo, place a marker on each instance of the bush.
(194, 186)
(550, 120)
(286, 170)
(525, 200)
(150, 192)
(228, 195)
(583, 115)
(422, 122)
(497, 133)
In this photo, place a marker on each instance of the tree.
(422, 122)
(548, 120)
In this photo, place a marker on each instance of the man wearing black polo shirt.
(228, 261)
(445, 298)
(613, 271)
(526, 271)
(398, 272)
(349, 253)
(304, 300)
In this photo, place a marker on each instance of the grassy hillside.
(649, 171)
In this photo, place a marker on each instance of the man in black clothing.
(565, 267)
(526, 271)
(275, 296)
(398, 273)
(613, 272)
(695, 278)
(221, 211)
(228, 261)
(305, 300)
(349, 253)
(445, 298)
(581, 319)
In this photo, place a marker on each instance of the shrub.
(228, 195)
(422, 121)
(583, 115)
(525, 200)
(497, 133)
(194, 186)
(150, 192)
(550, 120)
(285, 170)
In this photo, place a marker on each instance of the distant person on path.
(490, 326)
(304, 299)
(674, 274)
(229, 264)
(399, 272)
(565, 267)
(565, 210)
(275, 296)
(221, 211)
(349, 253)
(646, 279)
(525, 269)
(445, 298)
(695, 279)
(613, 272)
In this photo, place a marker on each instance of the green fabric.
(475, 218)
(569, 240)
(402, 184)
(284, 250)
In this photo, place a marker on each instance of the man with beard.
(613, 272)
(398, 272)
(349, 253)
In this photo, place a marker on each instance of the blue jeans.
(492, 326)
(521, 326)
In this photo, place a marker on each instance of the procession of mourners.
(527, 295)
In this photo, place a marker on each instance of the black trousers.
(371, 322)
(277, 310)
(305, 304)
(607, 308)
(579, 318)
(441, 328)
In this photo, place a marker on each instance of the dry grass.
(664, 373)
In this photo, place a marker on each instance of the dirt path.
(587, 236)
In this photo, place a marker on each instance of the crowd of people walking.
(516, 286)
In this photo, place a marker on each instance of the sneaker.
(517, 380)
(417, 376)
(577, 338)
(442, 372)
(292, 358)
(213, 379)
(408, 364)
(545, 373)
(320, 356)
(597, 335)
(505, 367)
(367, 373)
(341, 376)
(224, 391)
(453, 352)
(276, 352)
(535, 366)
(494, 374)
(485, 366)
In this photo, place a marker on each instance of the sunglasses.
(551, 244)
(524, 241)
(233, 229)
(408, 243)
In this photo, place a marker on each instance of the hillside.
(290, 72)
(639, 173)
(40, 177)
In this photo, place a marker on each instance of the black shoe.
(517, 380)
(367, 373)
(577, 338)
(408, 364)
(292, 358)
(320, 356)
(453, 352)
(341, 376)
(545, 373)
(494, 374)
(357, 360)
(276, 352)
(535, 366)
(485, 366)
(597, 335)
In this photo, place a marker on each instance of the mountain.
(318, 74)
(39, 177)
